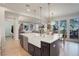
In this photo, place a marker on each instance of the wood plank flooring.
(13, 48)
(69, 49)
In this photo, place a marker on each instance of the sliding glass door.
(69, 28)
(74, 28)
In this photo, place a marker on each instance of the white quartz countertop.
(50, 38)
(35, 38)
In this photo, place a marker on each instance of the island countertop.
(35, 38)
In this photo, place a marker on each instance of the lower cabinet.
(24, 42)
(45, 49)
(54, 48)
(37, 51)
(33, 50)
(21, 40)
(50, 49)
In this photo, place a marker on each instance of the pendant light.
(49, 20)
(40, 14)
(28, 8)
(34, 12)
(37, 26)
(40, 27)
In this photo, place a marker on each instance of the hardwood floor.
(13, 48)
(69, 49)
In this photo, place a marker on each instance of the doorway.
(9, 29)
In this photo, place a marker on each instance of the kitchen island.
(46, 45)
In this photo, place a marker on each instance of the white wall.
(2, 31)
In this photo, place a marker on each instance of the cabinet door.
(25, 43)
(21, 40)
(54, 48)
(31, 49)
(45, 49)
(37, 51)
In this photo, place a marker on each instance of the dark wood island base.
(47, 49)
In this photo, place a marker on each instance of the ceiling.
(56, 9)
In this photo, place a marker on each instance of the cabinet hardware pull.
(54, 45)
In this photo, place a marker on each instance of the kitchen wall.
(8, 25)
(2, 31)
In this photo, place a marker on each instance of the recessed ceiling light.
(28, 10)
(27, 5)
